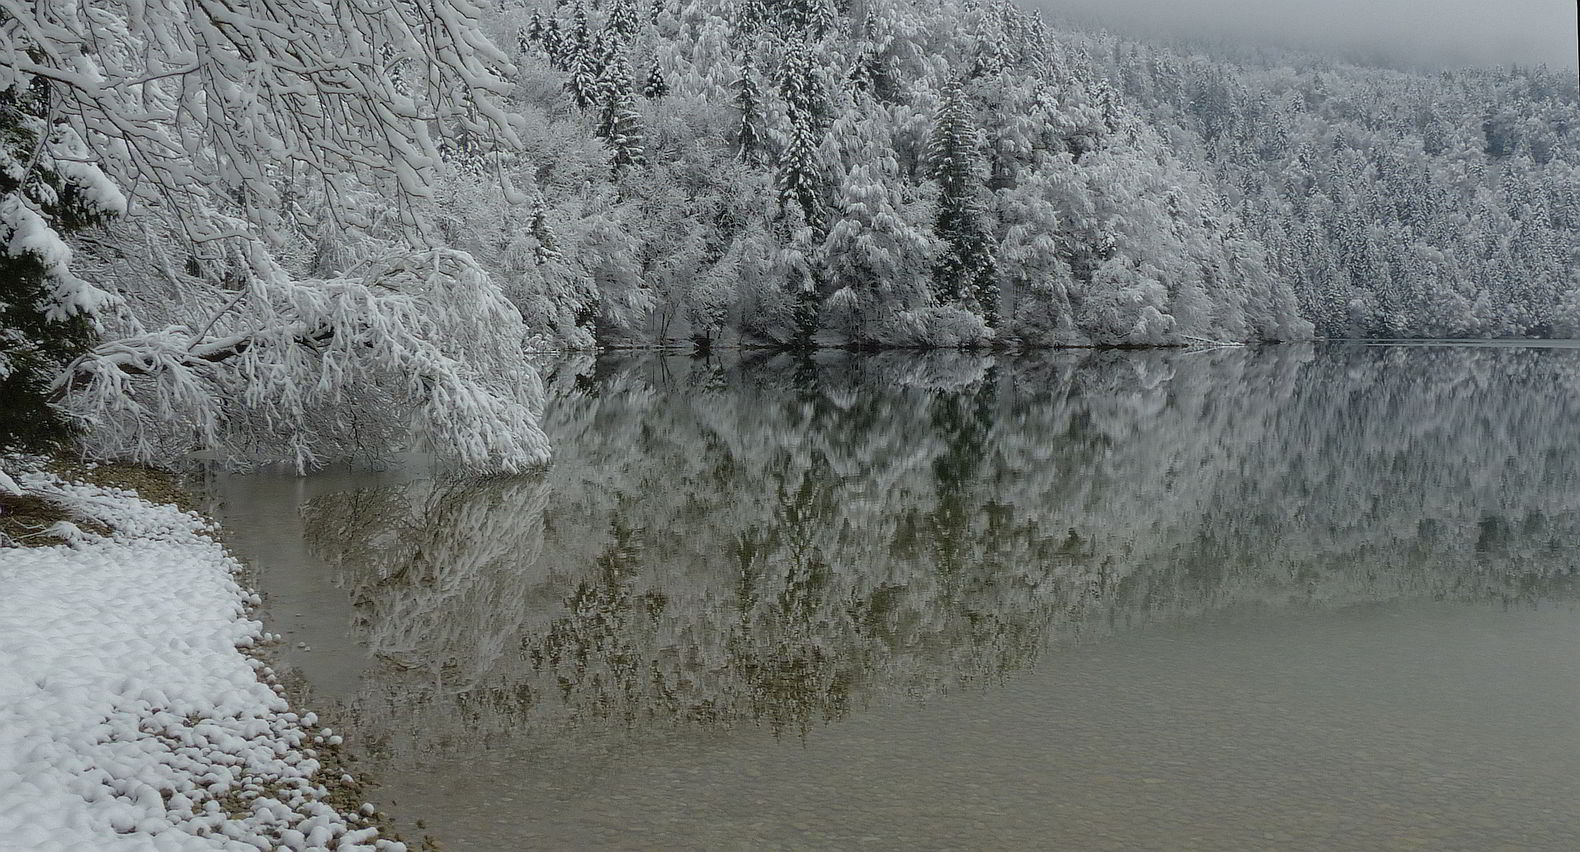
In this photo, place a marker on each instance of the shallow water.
(1294, 597)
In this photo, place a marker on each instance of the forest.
(299, 231)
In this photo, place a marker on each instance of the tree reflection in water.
(754, 540)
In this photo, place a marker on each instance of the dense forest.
(1396, 204)
(305, 230)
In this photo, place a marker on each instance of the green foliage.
(34, 345)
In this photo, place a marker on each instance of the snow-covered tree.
(967, 272)
(801, 177)
(654, 86)
(748, 103)
(233, 135)
(624, 133)
(877, 257)
(47, 190)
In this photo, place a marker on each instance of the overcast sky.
(1437, 32)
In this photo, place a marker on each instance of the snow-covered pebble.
(129, 717)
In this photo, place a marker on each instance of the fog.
(1440, 33)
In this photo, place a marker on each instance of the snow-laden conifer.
(967, 272)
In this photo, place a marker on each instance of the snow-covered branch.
(328, 366)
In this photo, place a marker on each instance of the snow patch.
(130, 718)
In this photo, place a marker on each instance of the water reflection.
(756, 540)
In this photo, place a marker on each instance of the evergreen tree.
(748, 137)
(625, 136)
(750, 17)
(655, 87)
(555, 45)
(586, 64)
(988, 58)
(623, 21)
(967, 273)
(583, 83)
(41, 328)
(820, 17)
(800, 176)
(545, 247)
(871, 75)
(581, 35)
(801, 83)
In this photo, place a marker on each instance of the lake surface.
(1295, 597)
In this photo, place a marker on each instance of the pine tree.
(655, 87)
(588, 64)
(989, 60)
(801, 84)
(623, 21)
(800, 178)
(625, 136)
(967, 273)
(39, 329)
(583, 83)
(546, 248)
(750, 16)
(870, 75)
(821, 18)
(749, 140)
(581, 37)
(555, 45)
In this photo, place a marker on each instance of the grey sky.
(1437, 32)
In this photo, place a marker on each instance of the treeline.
(1396, 204)
(290, 233)
(801, 172)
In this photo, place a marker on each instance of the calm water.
(1293, 598)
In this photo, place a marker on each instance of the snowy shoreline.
(134, 712)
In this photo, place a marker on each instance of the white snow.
(130, 717)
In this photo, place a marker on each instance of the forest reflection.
(767, 541)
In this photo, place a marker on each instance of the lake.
(1292, 597)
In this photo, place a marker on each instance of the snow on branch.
(208, 108)
(328, 366)
(227, 133)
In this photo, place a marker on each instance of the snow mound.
(130, 717)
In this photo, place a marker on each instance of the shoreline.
(138, 699)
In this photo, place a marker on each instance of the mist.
(1444, 33)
